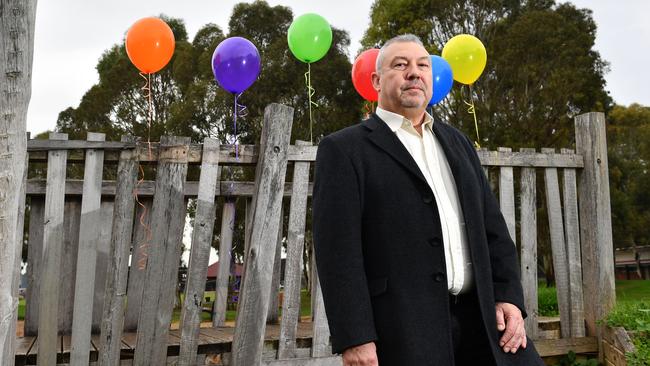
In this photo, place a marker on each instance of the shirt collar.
(396, 121)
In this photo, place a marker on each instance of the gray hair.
(402, 38)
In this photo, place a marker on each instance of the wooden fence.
(85, 303)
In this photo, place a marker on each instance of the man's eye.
(425, 66)
(400, 65)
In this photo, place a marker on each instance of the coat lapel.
(382, 136)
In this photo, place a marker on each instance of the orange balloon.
(150, 44)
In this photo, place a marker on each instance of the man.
(413, 254)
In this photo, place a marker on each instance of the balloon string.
(239, 111)
(367, 108)
(149, 95)
(472, 110)
(144, 245)
(310, 92)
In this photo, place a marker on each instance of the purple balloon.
(236, 64)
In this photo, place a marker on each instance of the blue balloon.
(443, 79)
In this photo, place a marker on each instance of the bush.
(635, 318)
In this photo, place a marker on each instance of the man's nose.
(413, 72)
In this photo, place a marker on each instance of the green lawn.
(632, 291)
(626, 292)
(305, 307)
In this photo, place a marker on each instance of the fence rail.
(103, 261)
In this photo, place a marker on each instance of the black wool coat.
(379, 250)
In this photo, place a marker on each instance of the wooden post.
(293, 270)
(200, 254)
(17, 50)
(507, 196)
(34, 266)
(274, 300)
(167, 221)
(87, 254)
(137, 270)
(225, 257)
(51, 257)
(558, 248)
(572, 230)
(116, 276)
(270, 175)
(595, 219)
(528, 215)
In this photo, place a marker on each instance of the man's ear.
(375, 81)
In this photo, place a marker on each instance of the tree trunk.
(17, 19)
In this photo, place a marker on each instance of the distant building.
(633, 264)
(235, 276)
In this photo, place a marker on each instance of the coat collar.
(382, 136)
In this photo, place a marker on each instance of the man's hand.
(363, 355)
(509, 319)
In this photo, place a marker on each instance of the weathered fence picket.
(225, 258)
(294, 265)
(62, 228)
(528, 230)
(51, 255)
(256, 284)
(572, 229)
(200, 253)
(507, 196)
(87, 254)
(168, 219)
(116, 276)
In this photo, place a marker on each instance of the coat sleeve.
(506, 278)
(337, 209)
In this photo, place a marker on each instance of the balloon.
(150, 44)
(362, 70)
(442, 79)
(236, 64)
(309, 37)
(466, 56)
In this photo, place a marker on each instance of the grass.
(305, 307)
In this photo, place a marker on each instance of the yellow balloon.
(467, 57)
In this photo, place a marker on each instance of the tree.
(628, 133)
(188, 101)
(17, 20)
(541, 68)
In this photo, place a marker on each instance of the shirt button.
(434, 242)
(439, 277)
(427, 199)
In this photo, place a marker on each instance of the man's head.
(403, 76)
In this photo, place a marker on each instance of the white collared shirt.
(431, 159)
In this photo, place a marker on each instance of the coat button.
(427, 199)
(434, 242)
(439, 277)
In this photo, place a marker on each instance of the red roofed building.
(235, 276)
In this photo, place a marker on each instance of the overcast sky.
(72, 34)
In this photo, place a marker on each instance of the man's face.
(405, 79)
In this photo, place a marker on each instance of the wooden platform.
(219, 340)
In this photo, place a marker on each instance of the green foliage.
(632, 291)
(541, 68)
(187, 101)
(547, 301)
(642, 355)
(571, 359)
(635, 318)
(628, 133)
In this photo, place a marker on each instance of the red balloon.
(362, 70)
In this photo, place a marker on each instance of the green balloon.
(309, 37)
